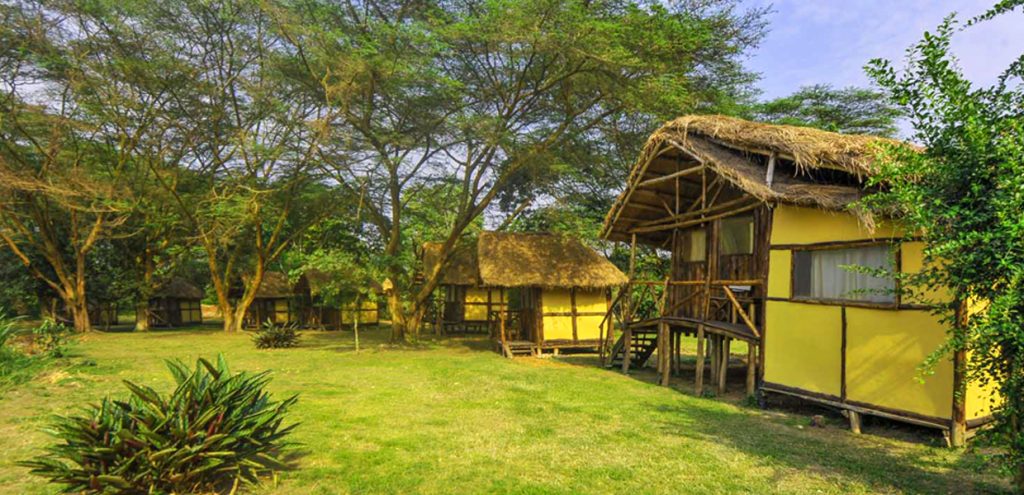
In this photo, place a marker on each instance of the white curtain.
(831, 280)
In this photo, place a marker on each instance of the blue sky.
(830, 41)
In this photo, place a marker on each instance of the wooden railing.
(636, 302)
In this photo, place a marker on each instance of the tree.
(848, 110)
(490, 96)
(963, 195)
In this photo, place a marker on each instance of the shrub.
(7, 327)
(273, 336)
(52, 337)
(214, 431)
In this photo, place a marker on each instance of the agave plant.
(215, 431)
(273, 336)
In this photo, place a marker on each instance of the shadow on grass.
(371, 338)
(851, 458)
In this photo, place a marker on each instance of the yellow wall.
(478, 312)
(369, 314)
(560, 327)
(280, 311)
(803, 346)
(912, 261)
(799, 225)
(780, 263)
(590, 301)
(979, 399)
(884, 349)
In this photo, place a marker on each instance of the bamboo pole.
(723, 363)
(627, 332)
(740, 311)
(751, 367)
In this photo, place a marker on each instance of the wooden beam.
(693, 214)
(668, 177)
(697, 221)
(770, 176)
(739, 309)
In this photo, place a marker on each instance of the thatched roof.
(179, 288)
(275, 285)
(812, 167)
(462, 266)
(315, 280)
(512, 259)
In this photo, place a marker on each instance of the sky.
(830, 41)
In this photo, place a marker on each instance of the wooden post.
(627, 321)
(723, 362)
(855, 421)
(751, 368)
(666, 367)
(958, 424)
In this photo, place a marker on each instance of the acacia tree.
(242, 177)
(850, 110)
(60, 172)
(964, 194)
(490, 95)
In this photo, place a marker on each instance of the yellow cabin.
(176, 303)
(543, 292)
(760, 226)
(315, 311)
(275, 302)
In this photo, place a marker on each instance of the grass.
(451, 417)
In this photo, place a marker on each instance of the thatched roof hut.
(772, 163)
(275, 285)
(462, 266)
(514, 259)
(543, 260)
(178, 288)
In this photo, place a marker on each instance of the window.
(737, 235)
(694, 245)
(824, 274)
(191, 311)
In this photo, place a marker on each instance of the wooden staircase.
(513, 348)
(642, 346)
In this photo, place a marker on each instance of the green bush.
(273, 336)
(52, 337)
(213, 432)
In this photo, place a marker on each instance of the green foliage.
(272, 336)
(964, 194)
(849, 110)
(213, 431)
(51, 337)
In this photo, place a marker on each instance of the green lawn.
(451, 417)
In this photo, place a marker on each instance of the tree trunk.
(142, 315)
(147, 289)
(229, 318)
(80, 315)
(355, 325)
(238, 318)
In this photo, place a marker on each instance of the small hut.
(176, 303)
(317, 312)
(464, 306)
(275, 302)
(761, 223)
(557, 291)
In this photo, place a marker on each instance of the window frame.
(895, 247)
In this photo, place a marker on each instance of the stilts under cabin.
(276, 302)
(760, 222)
(548, 293)
(176, 303)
